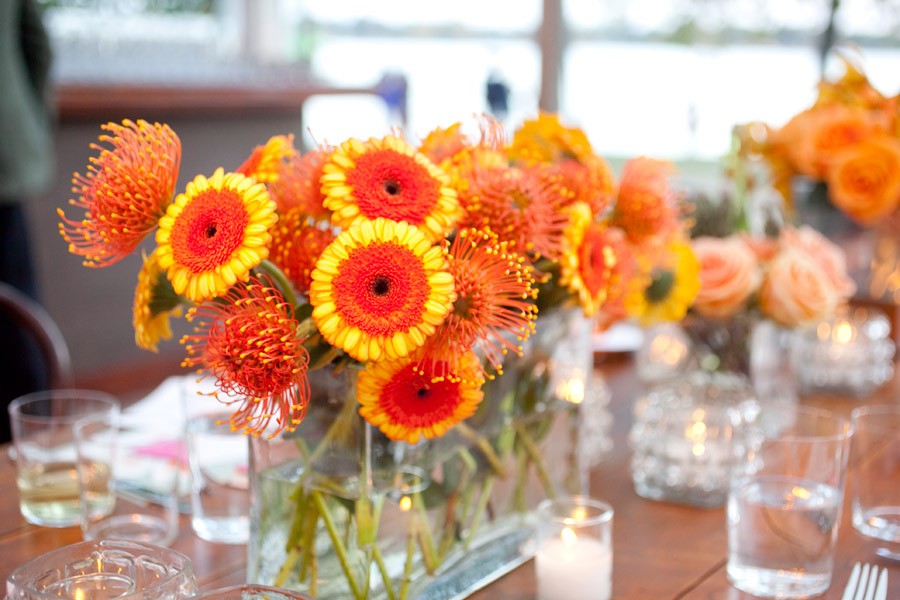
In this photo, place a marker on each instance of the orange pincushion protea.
(407, 401)
(296, 245)
(297, 184)
(388, 178)
(124, 193)
(646, 203)
(524, 205)
(214, 233)
(250, 343)
(494, 300)
(380, 289)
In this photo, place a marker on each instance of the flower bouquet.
(371, 310)
(837, 165)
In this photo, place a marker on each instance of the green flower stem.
(382, 569)
(339, 548)
(287, 566)
(479, 511)
(407, 567)
(518, 500)
(484, 447)
(426, 541)
(284, 285)
(308, 542)
(535, 455)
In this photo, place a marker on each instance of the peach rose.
(864, 180)
(827, 131)
(765, 248)
(827, 255)
(795, 291)
(729, 274)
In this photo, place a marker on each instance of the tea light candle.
(573, 567)
(573, 560)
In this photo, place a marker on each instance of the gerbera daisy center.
(392, 188)
(381, 286)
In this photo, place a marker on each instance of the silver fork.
(861, 575)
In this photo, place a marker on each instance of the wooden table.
(661, 551)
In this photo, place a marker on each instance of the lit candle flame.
(568, 536)
(405, 503)
(844, 332)
(79, 594)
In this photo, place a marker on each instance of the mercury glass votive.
(574, 554)
(104, 570)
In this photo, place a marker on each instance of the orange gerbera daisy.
(646, 203)
(296, 245)
(388, 178)
(380, 289)
(265, 162)
(494, 287)
(154, 302)
(298, 184)
(524, 205)
(214, 233)
(407, 402)
(124, 193)
(250, 343)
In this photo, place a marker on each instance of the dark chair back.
(35, 321)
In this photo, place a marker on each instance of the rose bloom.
(827, 131)
(729, 274)
(827, 255)
(864, 181)
(764, 247)
(795, 290)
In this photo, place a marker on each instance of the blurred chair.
(35, 322)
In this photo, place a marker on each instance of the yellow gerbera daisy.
(406, 400)
(214, 233)
(673, 287)
(546, 139)
(593, 258)
(388, 178)
(380, 289)
(154, 303)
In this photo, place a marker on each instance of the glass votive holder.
(103, 570)
(573, 558)
(685, 436)
(251, 591)
(850, 354)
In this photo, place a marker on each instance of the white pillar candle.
(572, 567)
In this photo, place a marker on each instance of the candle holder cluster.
(686, 434)
(850, 354)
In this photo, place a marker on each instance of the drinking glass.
(573, 558)
(219, 468)
(784, 506)
(874, 487)
(42, 431)
(129, 490)
(103, 570)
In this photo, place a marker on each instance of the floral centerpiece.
(414, 273)
(837, 165)
(849, 140)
